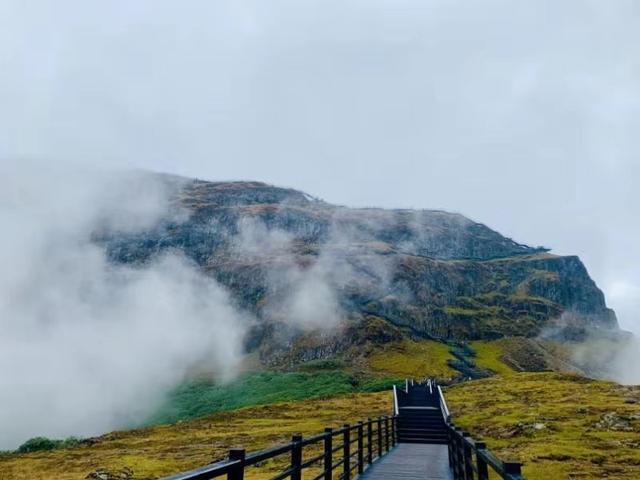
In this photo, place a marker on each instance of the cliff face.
(430, 272)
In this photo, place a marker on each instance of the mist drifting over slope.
(88, 346)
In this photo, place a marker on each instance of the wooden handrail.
(380, 431)
(443, 405)
(470, 459)
(360, 444)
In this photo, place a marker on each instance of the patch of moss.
(561, 426)
(411, 359)
(489, 357)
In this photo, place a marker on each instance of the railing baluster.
(514, 469)
(393, 430)
(369, 441)
(379, 436)
(328, 454)
(360, 448)
(237, 473)
(467, 456)
(481, 465)
(386, 432)
(454, 454)
(458, 471)
(346, 452)
(296, 457)
(449, 447)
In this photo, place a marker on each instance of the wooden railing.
(358, 446)
(469, 459)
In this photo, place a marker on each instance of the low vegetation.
(38, 444)
(561, 426)
(412, 359)
(489, 356)
(158, 451)
(197, 398)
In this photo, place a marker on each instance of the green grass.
(317, 379)
(489, 356)
(197, 398)
(411, 359)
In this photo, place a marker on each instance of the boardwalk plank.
(412, 461)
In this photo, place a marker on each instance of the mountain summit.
(298, 263)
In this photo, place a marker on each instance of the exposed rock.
(616, 422)
(104, 474)
(432, 273)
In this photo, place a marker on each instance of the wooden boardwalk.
(411, 461)
(418, 442)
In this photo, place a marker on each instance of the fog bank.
(88, 346)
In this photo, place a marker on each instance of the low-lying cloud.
(86, 345)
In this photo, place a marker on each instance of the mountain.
(295, 262)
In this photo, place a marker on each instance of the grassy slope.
(562, 426)
(319, 379)
(586, 429)
(488, 356)
(162, 450)
(330, 389)
(412, 359)
(201, 397)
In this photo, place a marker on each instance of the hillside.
(339, 304)
(295, 262)
(561, 426)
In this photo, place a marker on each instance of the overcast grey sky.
(524, 115)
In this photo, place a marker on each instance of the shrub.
(38, 444)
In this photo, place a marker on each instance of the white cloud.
(88, 346)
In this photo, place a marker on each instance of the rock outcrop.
(432, 273)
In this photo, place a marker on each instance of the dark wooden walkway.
(418, 442)
(411, 461)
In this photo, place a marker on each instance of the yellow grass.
(412, 359)
(158, 451)
(489, 356)
(562, 426)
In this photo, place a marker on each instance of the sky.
(522, 115)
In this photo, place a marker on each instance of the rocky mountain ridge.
(294, 261)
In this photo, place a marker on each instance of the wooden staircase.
(420, 418)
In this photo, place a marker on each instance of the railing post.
(393, 430)
(386, 432)
(237, 472)
(514, 469)
(379, 436)
(328, 454)
(449, 445)
(481, 465)
(454, 453)
(467, 456)
(369, 441)
(360, 449)
(296, 457)
(346, 452)
(458, 472)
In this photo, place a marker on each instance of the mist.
(521, 115)
(88, 346)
